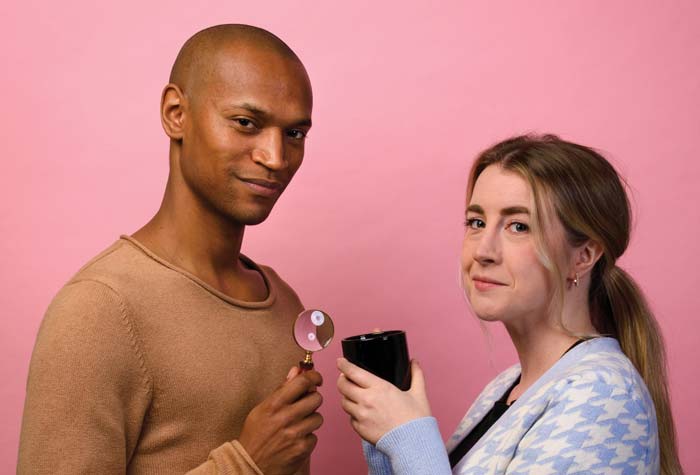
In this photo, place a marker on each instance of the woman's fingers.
(357, 375)
(349, 389)
(350, 407)
(417, 378)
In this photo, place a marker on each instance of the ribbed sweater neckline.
(262, 304)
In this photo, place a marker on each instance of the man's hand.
(278, 432)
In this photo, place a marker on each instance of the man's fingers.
(310, 423)
(306, 405)
(311, 441)
(299, 385)
(314, 377)
(293, 372)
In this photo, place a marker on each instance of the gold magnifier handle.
(308, 363)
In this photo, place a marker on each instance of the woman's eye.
(296, 134)
(474, 223)
(518, 227)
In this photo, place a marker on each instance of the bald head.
(198, 58)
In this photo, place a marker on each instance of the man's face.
(244, 132)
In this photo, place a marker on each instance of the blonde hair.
(588, 197)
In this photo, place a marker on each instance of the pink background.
(406, 93)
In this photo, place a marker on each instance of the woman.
(546, 221)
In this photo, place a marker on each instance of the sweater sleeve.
(415, 448)
(377, 462)
(88, 390)
(232, 459)
(594, 426)
(228, 459)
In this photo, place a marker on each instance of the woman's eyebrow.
(475, 208)
(514, 210)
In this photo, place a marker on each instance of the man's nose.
(269, 150)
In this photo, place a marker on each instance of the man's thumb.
(293, 372)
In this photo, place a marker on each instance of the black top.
(498, 409)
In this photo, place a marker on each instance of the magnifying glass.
(313, 331)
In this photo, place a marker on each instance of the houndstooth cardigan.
(590, 413)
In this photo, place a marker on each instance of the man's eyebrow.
(303, 123)
(504, 212)
(306, 122)
(249, 107)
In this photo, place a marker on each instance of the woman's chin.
(485, 309)
(489, 318)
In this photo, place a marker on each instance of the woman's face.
(503, 276)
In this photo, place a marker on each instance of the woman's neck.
(540, 342)
(538, 349)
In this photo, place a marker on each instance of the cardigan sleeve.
(377, 462)
(595, 424)
(413, 448)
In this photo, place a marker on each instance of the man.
(167, 353)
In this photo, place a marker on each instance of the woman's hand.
(376, 406)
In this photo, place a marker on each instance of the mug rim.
(374, 336)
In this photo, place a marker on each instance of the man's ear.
(172, 111)
(586, 256)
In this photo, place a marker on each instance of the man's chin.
(253, 222)
(251, 218)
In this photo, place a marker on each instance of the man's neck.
(203, 243)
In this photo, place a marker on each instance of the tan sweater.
(141, 368)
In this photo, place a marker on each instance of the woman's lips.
(483, 284)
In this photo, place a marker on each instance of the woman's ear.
(586, 256)
(172, 111)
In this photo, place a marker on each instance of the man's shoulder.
(99, 283)
(121, 263)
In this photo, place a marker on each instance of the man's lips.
(263, 187)
(485, 283)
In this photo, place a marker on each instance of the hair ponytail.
(624, 313)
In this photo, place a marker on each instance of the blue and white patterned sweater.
(590, 413)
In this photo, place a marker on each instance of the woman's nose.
(488, 249)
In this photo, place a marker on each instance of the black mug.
(384, 354)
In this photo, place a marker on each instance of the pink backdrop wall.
(406, 94)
